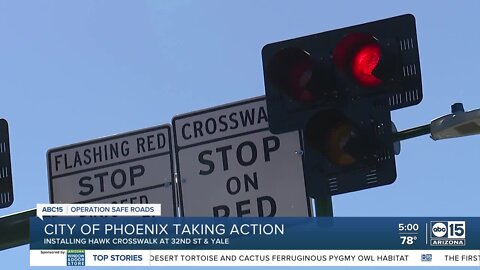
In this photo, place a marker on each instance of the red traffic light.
(364, 62)
(295, 73)
(377, 60)
(290, 71)
(339, 88)
(358, 55)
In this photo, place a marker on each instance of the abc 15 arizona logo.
(447, 233)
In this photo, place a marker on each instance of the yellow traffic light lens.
(336, 139)
(332, 134)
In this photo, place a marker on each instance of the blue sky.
(72, 71)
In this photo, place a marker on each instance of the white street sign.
(134, 167)
(230, 164)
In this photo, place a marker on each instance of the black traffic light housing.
(339, 87)
(6, 185)
(305, 74)
(348, 149)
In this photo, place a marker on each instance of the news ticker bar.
(255, 258)
(340, 233)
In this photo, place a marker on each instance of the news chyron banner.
(220, 241)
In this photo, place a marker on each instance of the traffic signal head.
(348, 149)
(326, 70)
(339, 88)
(6, 185)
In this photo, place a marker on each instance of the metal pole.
(411, 133)
(15, 229)
(323, 207)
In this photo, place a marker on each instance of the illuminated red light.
(364, 63)
(358, 55)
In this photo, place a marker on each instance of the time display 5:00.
(409, 227)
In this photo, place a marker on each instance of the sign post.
(134, 167)
(229, 164)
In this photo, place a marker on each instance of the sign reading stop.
(134, 167)
(229, 164)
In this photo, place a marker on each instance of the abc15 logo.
(448, 229)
